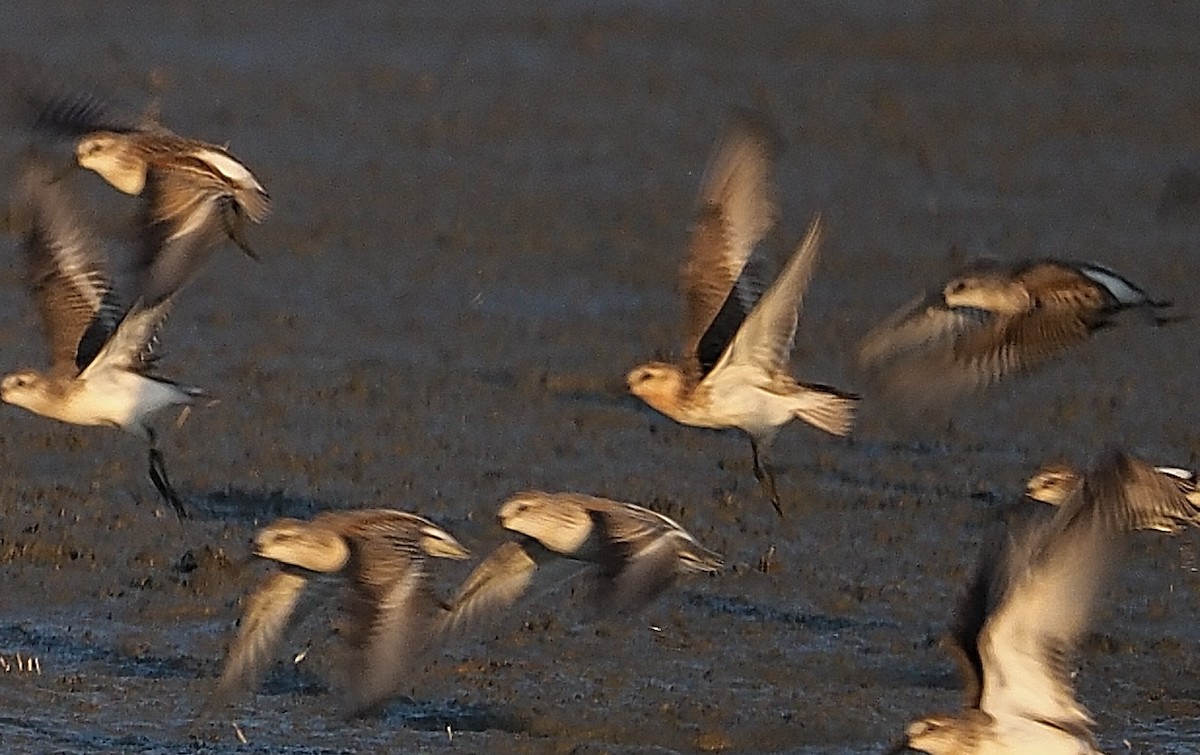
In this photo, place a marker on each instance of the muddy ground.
(478, 220)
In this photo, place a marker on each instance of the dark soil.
(479, 217)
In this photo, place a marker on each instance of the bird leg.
(158, 476)
(765, 478)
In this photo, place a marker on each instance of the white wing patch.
(1178, 473)
(228, 167)
(1121, 289)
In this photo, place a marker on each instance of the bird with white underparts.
(734, 370)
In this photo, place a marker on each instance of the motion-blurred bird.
(734, 369)
(638, 553)
(1154, 498)
(101, 359)
(194, 194)
(1023, 614)
(996, 320)
(380, 556)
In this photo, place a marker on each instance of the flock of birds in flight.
(1022, 613)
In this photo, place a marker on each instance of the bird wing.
(976, 604)
(65, 271)
(1046, 585)
(768, 334)
(1145, 498)
(736, 209)
(499, 581)
(212, 164)
(392, 623)
(77, 114)
(131, 345)
(639, 557)
(263, 623)
(391, 610)
(930, 349)
(1013, 344)
(923, 324)
(183, 221)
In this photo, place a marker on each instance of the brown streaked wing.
(263, 623)
(713, 299)
(736, 209)
(1139, 497)
(923, 324)
(182, 225)
(625, 523)
(218, 165)
(495, 585)
(392, 615)
(738, 180)
(1009, 345)
(65, 270)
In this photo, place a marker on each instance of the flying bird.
(101, 355)
(637, 553)
(1153, 498)
(995, 320)
(1024, 613)
(734, 370)
(379, 557)
(194, 194)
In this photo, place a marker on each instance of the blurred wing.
(1010, 345)
(76, 114)
(131, 344)
(394, 617)
(638, 560)
(494, 586)
(973, 610)
(216, 166)
(1142, 497)
(716, 307)
(1052, 577)
(923, 324)
(645, 576)
(65, 271)
(767, 335)
(263, 623)
(183, 222)
(736, 211)
(392, 622)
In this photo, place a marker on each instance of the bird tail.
(827, 408)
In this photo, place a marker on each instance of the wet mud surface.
(479, 217)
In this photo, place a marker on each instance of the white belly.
(740, 399)
(122, 398)
(1020, 736)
